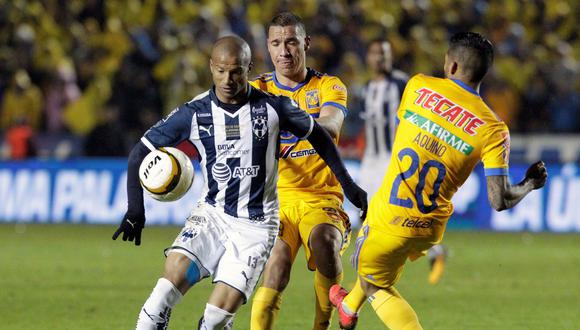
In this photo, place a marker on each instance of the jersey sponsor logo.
(338, 87)
(260, 127)
(445, 108)
(411, 222)
(259, 110)
(170, 114)
(207, 129)
(203, 114)
(228, 146)
(233, 132)
(229, 149)
(250, 171)
(221, 172)
(287, 152)
(441, 133)
(312, 100)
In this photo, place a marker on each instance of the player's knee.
(181, 271)
(326, 240)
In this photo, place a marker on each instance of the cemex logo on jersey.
(260, 127)
(287, 152)
(222, 173)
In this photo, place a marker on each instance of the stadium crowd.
(87, 77)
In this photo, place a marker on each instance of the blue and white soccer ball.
(166, 174)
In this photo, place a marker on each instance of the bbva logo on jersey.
(222, 173)
(260, 126)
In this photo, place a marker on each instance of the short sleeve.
(334, 93)
(293, 119)
(495, 152)
(171, 130)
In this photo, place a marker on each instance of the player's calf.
(216, 318)
(157, 309)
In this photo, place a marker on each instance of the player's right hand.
(537, 174)
(131, 227)
(358, 197)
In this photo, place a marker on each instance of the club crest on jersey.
(312, 100)
(260, 127)
(189, 233)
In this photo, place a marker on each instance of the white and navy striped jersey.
(382, 98)
(238, 149)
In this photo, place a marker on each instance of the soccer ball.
(166, 174)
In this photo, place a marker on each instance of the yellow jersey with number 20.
(444, 130)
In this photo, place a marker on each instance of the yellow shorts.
(379, 257)
(299, 217)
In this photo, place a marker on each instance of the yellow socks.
(324, 308)
(265, 308)
(394, 310)
(355, 298)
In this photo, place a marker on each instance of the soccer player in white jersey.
(230, 233)
(382, 96)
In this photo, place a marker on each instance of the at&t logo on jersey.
(260, 127)
(221, 172)
(251, 171)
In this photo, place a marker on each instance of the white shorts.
(231, 250)
(372, 172)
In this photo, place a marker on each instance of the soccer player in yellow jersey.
(444, 130)
(311, 213)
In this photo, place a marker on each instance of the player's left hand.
(131, 227)
(358, 197)
(537, 174)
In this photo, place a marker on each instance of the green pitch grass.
(76, 277)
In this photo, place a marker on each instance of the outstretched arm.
(502, 195)
(322, 143)
(134, 220)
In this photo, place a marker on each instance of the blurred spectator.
(19, 140)
(61, 90)
(21, 103)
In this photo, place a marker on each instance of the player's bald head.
(232, 47)
(473, 52)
